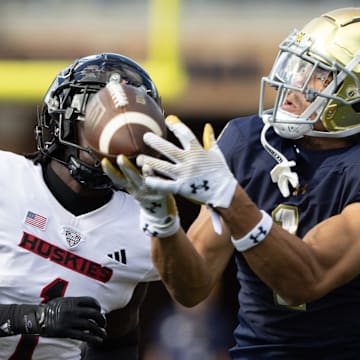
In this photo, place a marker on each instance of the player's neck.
(322, 143)
(317, 143)
(64, 174)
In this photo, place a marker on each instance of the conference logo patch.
(73, 237)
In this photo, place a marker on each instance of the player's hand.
(158, 214)
(198, 173)
(71, 317)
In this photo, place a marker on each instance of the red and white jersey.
(46, 252)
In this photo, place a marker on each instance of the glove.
(197, 173)
(64, 317)
(158, 211)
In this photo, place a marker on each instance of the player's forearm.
(182, 269)
(282, 260)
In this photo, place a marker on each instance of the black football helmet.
(65, 102)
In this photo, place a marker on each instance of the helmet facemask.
(302, 77)
(294, 70)
(319, 65)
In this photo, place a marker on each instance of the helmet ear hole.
(356, 107)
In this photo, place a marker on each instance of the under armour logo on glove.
(158, 212)
(153, 206)
(203, 186)
(146, 229)
(185, 169)
(153, 226)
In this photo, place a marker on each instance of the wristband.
(153, 226)
(18, 319)
(256, 235)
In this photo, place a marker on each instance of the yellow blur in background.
(28, 80)
(206, 57)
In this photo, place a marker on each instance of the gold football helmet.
(327, 48)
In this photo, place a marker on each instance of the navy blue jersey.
(329, 181)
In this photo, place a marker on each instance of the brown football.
(118, 116)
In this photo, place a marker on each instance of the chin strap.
(91, 177)
(281, 173)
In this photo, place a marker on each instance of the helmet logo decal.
(302, 40)
(299, 37)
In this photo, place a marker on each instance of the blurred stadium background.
(207, 57)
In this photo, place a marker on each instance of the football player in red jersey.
(75, 264)
(282, 190)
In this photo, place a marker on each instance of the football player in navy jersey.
(282, 190)
(74, 262)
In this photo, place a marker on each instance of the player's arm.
(189, 273)
(71, 317)
(122, 326)
(300, 270)
(190, 270)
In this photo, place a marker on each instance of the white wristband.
(256, 235)
(153, 226)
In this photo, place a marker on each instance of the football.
(117, 117)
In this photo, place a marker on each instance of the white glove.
(158, 212)
(197, 173)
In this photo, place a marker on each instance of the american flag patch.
(36, 220)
